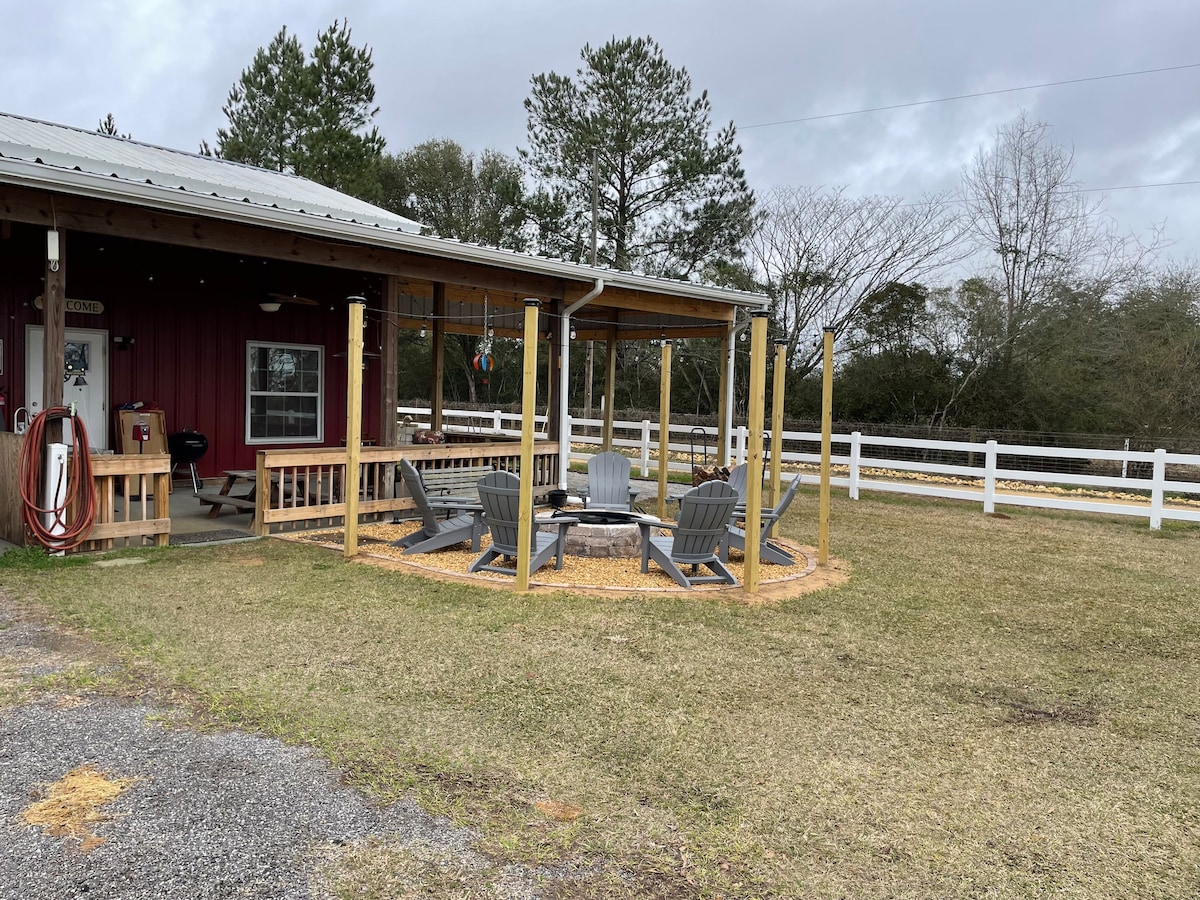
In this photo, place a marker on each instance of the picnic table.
(224, 497)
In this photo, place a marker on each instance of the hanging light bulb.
(742, 336)
(573, 331)
(422, 330)
(491, 330)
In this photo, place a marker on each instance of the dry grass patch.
(989, 707)
(74, 804)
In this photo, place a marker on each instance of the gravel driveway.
(207, 815)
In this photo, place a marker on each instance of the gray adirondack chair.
(464, 520)
(608, 482)
(737, 481)
(499, 494)
(704, 514)
(735, 536)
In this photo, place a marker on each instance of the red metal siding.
(190, 314)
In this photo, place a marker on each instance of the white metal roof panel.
(57, 157)
(100, 154)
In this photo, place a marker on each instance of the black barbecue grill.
(186, 448)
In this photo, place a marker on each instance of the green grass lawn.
(991, 706)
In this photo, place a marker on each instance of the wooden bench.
(458, 481)
(242, 504)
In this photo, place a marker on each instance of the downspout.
(564, 376)
(734, 330)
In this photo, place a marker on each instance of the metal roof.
(115, 157)
(47, 156)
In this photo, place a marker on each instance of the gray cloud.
(461, 69)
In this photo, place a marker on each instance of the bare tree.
(822, 254)
(1023, 207)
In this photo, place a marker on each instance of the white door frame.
(98, 438)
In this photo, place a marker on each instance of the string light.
(573, 335)
(423, 321)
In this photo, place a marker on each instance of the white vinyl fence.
(1155, 485)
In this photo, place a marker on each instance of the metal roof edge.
(86, 184)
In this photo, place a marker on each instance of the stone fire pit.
(604, 533)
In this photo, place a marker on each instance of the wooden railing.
(11, 529)
(144, 484)
(306, 488)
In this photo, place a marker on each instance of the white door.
(85, 381)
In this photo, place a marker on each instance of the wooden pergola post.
(610, 385)
(777, 426)
(754, 458)
(54, 335)
(826, 449)
(664, 426)
(528, 410)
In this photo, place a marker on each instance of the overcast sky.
(461, 68)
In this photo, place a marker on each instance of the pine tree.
(671, 201)
(309, 117)
(108, 125)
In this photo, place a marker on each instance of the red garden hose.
(79, 497)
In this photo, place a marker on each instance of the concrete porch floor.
(189, 516)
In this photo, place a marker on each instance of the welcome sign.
(87, 307)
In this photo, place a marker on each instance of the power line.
(1134, 187)
(1012, 90)
(1116, 187)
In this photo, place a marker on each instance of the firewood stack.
(701, 474)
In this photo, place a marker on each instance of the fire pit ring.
(604, 533)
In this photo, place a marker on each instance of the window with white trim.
(284, 389)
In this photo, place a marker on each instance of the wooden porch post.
(610, 385)
(54, 310)
(664, 426)
(724, 400)
(528, 409)
(439, 356)
(354, 350)
(389, 335)
(553, 367)
(754, 456)
(389, 389)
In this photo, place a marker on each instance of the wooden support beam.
(436, 384)
(54, 309)
(664, 427)
(754, 455)
(389, 389)
(354, 383)
(725, 398)
(528, 410)
(554, 372)
(777, 427)
(610, 384)
(183, 230)
(826, 449)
